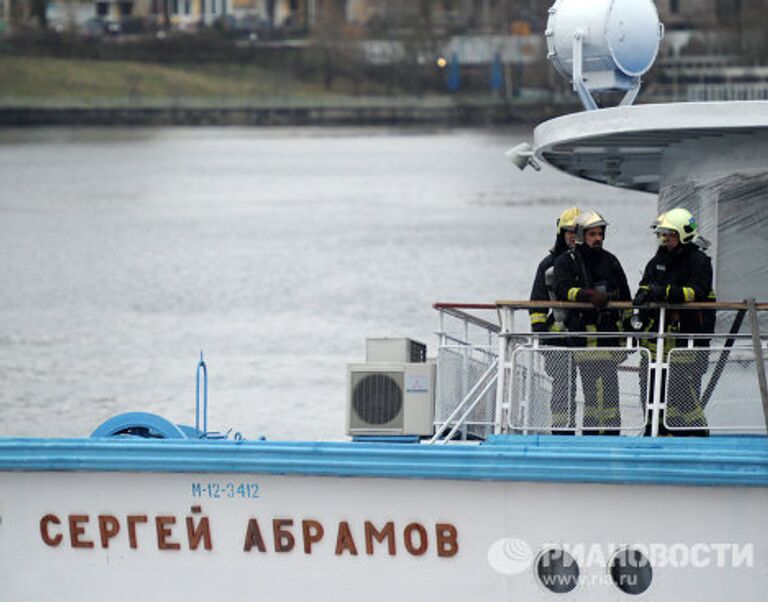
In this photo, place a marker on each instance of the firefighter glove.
(641, 298)
(657, 293)
(597, 298)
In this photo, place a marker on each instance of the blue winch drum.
(143, 425)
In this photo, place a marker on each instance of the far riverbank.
(373, 112)
(40, 91)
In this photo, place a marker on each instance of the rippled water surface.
(277, 251)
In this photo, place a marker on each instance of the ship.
(455, 482)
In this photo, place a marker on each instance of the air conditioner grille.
(377, 398)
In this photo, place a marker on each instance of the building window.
(102, 9)
(187, 7)
(213, 7)
(674, 6)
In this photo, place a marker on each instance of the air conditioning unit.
(391, 397)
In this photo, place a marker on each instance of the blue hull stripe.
(736, 461)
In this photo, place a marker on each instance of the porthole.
(557, 571)
(631, 571)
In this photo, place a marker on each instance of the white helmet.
(587, 221)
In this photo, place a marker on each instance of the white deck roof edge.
(623, 146)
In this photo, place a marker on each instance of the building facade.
(449, 16)
(440, 17)
(296, 14)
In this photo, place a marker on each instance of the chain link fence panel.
(459, 368)
(572, 390)
(713, 389)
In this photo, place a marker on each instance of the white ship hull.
(125, 536)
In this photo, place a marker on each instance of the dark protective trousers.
(561, 368)
(600, 380)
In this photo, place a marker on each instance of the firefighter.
(590, 274)
(562, 402)
(679, 273)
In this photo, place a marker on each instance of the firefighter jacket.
(540, 292)
(676, 277)
(543, 320)
(585, 268)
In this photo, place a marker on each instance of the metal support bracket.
(579, 86)
(631, 94)
(759, 359)
(723, 359)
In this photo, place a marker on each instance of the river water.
(276, 251)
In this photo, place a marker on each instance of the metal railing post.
(201, 367)
(507, 326)
(525, 404)
(658, 374)
(441, 333)
(465, 386)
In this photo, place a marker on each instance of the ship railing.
(547, 383)
(727, 92)
(467, 369)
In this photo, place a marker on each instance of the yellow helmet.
(567, 219)
(678, 220)
(586, 221)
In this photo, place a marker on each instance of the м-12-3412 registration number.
(215, 490)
